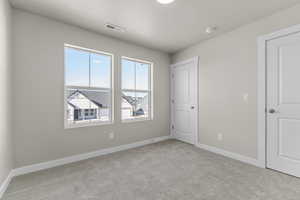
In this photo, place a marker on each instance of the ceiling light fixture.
(165, 1)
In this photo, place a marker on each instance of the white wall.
(228, 69)
(38, 91)
(6, 155)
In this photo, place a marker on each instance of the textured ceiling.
(164, 27)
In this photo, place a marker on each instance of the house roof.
(129, 99)
(99, 98)
(133, 100)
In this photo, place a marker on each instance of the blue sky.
(77, 70)
(129, 68)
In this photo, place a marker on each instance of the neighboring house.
(92, 105)
(87, 105)
(134, 106)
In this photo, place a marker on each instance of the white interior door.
(184, 101)
(283, 104)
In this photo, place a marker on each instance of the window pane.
(77, 67)
(142, 76)
(135, 105)
(128, 104)
(100, 70)
(128, 74)
(88, 105)
(142, 104)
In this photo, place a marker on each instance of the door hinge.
(172, 126)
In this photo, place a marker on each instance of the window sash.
(137, 60)
(140, 62)
(110, 106)
(88, 88)
(90, 52)
(135, 118)
(109, 90)
(130, 90)
(149, 90)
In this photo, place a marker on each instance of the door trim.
(194, 60)
(261, 89)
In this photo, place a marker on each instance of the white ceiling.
(165, 27)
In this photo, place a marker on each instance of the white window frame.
(90, 122)
(150, 91)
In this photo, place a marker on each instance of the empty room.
(149, 100)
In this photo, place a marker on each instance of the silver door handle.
(272, 111)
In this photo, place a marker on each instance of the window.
(136, 89)
(88, 87)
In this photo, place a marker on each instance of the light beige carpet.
(169, 170)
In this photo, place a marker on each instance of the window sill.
(136, 120)
(87, 124)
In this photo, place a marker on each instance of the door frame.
(262, 89)
(194, 60)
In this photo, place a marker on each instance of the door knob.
(272, 111)
(192, 107)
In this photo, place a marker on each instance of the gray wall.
(38, 92)
(228, 69)
(6, 155)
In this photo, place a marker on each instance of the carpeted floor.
(169, 170)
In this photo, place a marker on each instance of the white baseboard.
(4, 185)
(71, 159)
(232, 155)
(76, 158)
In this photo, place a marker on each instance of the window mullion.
(89, 86)
(135, 76)
(89, 69)
(86, 88)
(132, 90)
(135, 66)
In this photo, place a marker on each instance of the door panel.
(289, 138)
(181, 120)
(184, 94)
(181, 93)
(283, 104)
(289, 71)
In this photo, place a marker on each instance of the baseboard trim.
(232, 155)
(80, 157)
(4, 185)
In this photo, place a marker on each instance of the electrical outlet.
(111, 135)
(246, 97)
(220, 136)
